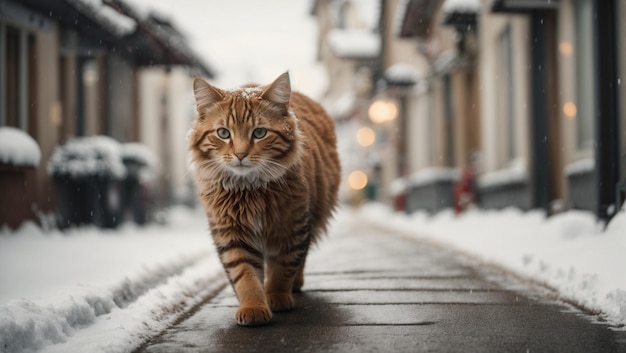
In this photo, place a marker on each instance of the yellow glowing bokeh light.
(382, 111)
(365, 136)
(357, 180)
(566, 48)
(569, 109)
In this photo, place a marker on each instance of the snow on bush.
(402, 73)
(88, 156)
(18, 148)
(144, 156)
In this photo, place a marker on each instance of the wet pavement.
(369, 290)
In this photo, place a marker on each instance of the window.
(15, 57)
(449, 121)
(506, 96)
(583, 56)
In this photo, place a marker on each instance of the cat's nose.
(241, 155)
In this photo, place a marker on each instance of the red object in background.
(464, 191)
(399, 201)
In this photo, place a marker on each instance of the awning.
(417, 17)
(523, 5)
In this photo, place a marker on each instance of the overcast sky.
(250, 40)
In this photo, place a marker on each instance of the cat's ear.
(279, 91)
(205, 94)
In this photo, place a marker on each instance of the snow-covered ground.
(89, 290)
(570, 252)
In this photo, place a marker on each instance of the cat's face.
(244, 138)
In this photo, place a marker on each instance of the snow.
(354, 43)
(462, 6)
(119, 24)
(87, 156)
(90, 290)
(142, 154)
(515, 173)
(580, 166)
(402, 73)
(343, 105)
(431, 174)
(569, 252)
(18, 148)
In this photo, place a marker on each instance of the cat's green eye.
(259, 132)
(223, 133)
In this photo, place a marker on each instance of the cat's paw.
(253, 316)
(280, 301)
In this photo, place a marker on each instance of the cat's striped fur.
(267, 173)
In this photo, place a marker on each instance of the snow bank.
(60, 290)
(18, 148)
(569, 252)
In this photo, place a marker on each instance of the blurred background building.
(438, 104)
(79, 68)
(493, 103)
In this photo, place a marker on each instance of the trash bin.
(89, 178)
(141, 170)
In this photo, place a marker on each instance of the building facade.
(71, 69)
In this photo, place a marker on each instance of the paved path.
(368, 290)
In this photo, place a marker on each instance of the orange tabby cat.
(267, 173)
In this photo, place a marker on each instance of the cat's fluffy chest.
(267, 213)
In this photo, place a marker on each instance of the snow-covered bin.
(19, 157)
(142, 169)
(431, 189)
(89, 175)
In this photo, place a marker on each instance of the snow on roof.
(398, 18)
(354, 43)
(119, 24)
(88, 156)
(461, 6)
(18, 148)
(402, 72)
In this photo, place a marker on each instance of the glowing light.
(382, 111)
(365, 136)
(569, 109)
(566, 48)
(357, 180)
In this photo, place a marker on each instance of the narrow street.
(369, 290)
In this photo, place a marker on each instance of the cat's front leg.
(244, 267)
(283, 273)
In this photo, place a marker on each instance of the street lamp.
(357, 180)
(382, 111)
(365, 136)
